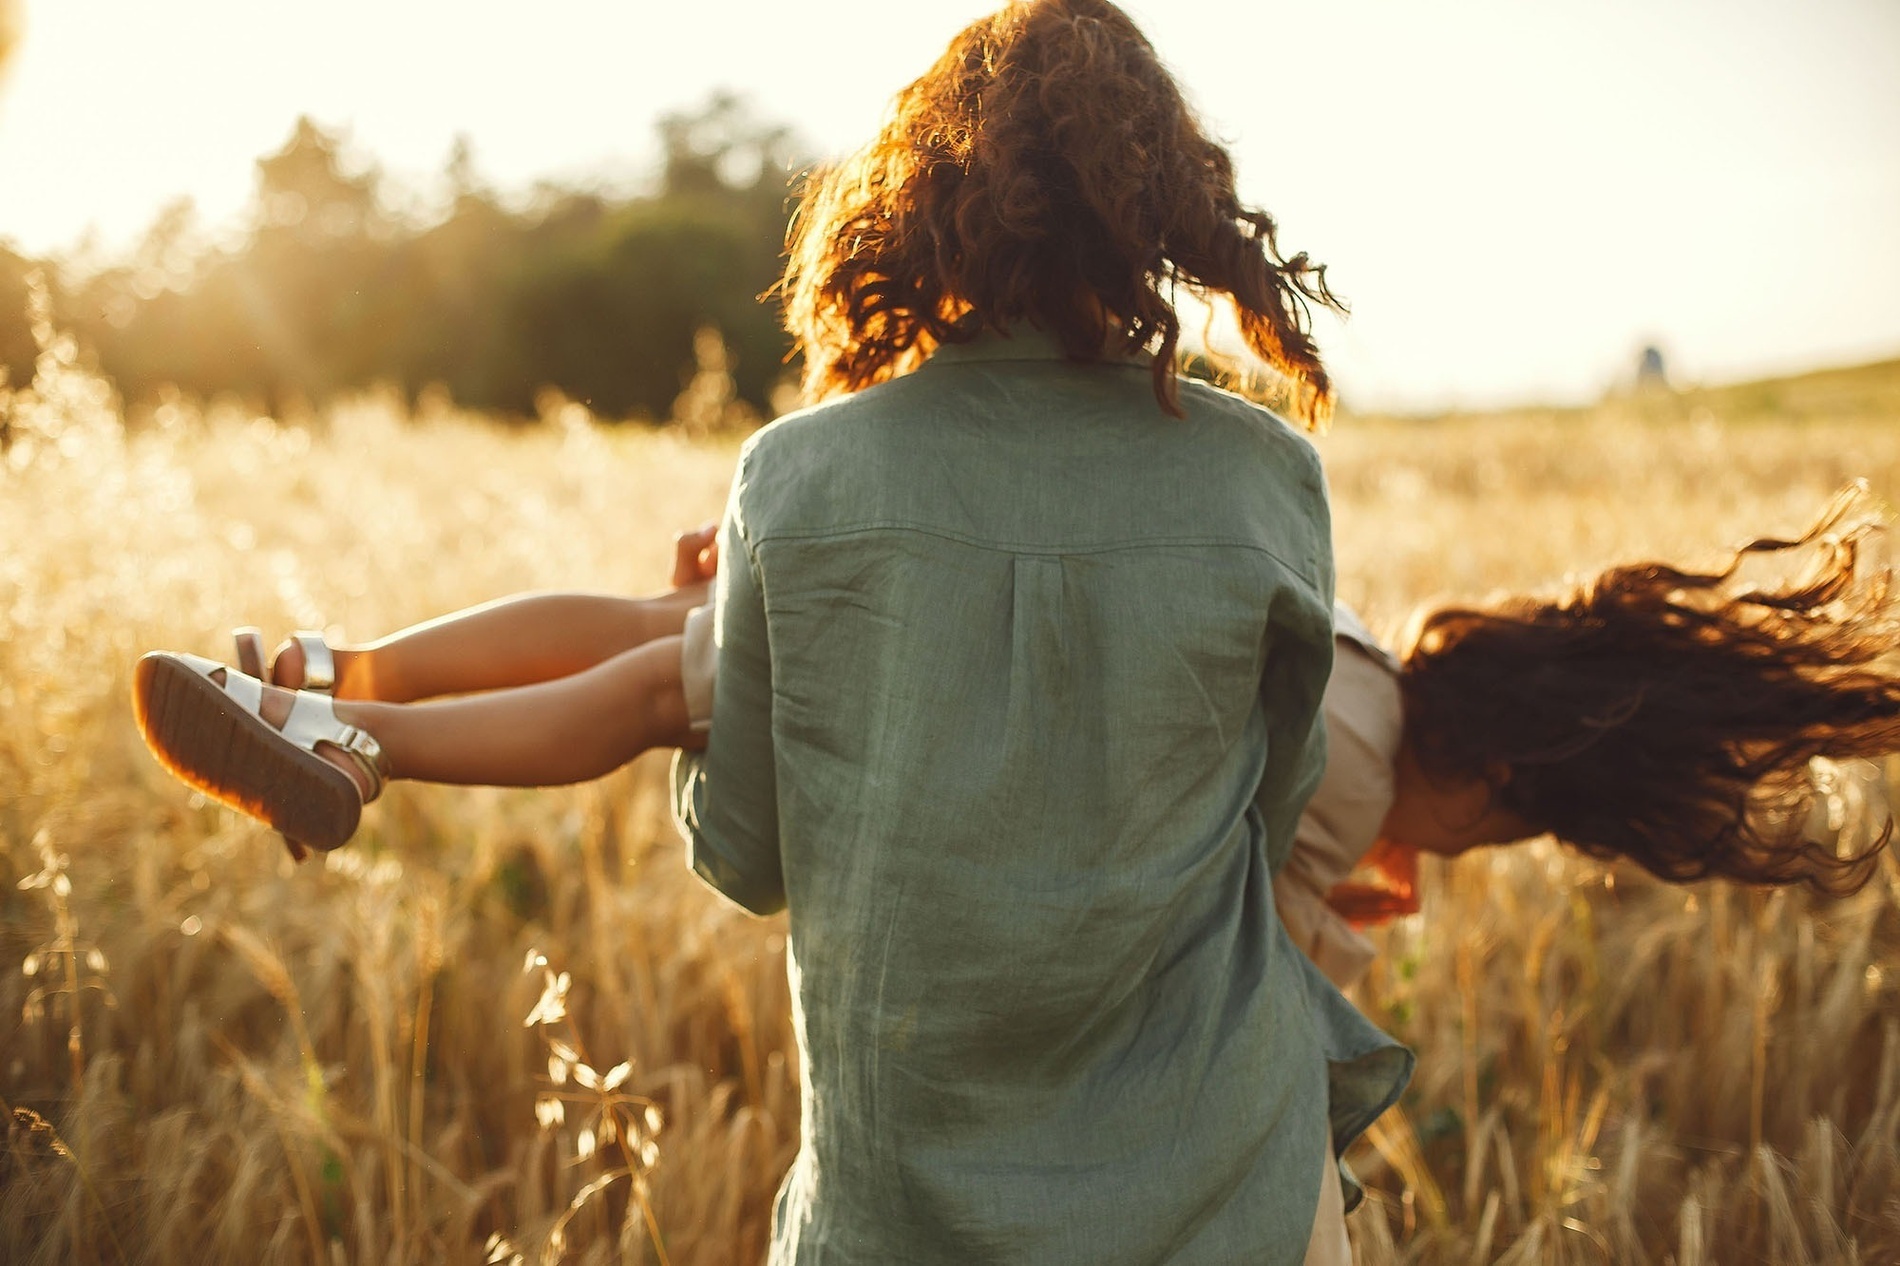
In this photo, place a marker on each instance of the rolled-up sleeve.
(725, 799)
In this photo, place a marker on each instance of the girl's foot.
(303, 661)
(281, 756)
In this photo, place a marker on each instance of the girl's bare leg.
(571, 729)
(515, 641)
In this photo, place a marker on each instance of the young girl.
(1698, 701)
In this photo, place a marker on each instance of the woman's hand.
(696, 556)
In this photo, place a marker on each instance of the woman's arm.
(726, 798)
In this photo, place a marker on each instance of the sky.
(1514, 197)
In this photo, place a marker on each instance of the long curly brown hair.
(1671, 716)
(1045, 170)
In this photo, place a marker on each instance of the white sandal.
(319, 659)
(213, 736)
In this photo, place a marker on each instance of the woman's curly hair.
(1045, 170)
(1671, 716)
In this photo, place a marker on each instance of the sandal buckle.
(362, 745)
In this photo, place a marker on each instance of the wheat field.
(510, 1026)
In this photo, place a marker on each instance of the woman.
(1020, 646)
(1020, 649)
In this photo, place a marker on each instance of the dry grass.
(237, 1061)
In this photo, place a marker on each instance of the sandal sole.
(207, 741)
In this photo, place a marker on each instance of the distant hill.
(1857, 390)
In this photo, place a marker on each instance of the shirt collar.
(1021, 342)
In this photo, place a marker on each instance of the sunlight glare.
(11, 28)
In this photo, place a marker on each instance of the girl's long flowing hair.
(1671, 716)
(1045, 170)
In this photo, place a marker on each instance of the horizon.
(1714, 179)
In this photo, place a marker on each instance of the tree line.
(600, 296)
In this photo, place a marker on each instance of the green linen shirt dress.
(1017, 705)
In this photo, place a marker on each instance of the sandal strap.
(312, 721)
(249, 641)
(241, 688)
(319, 664)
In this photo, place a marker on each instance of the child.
(1696, 702)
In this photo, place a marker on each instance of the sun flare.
(11, 28)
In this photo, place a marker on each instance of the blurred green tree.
(722, 157)
(280, 319)
(610, 310)
(597, 296)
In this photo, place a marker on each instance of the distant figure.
(1651, 374)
